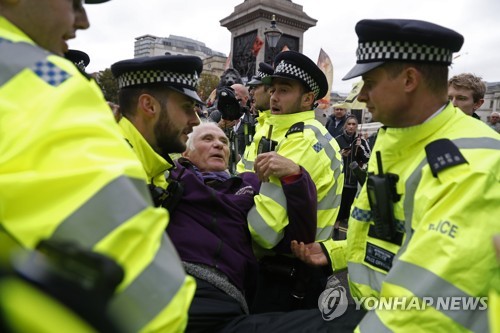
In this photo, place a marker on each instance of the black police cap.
(78, 57)
(263, 71)
(177, 72)
(400, 40)
(296, 66)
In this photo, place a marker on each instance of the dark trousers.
(348, 195)
(287, 284)
(213, 311)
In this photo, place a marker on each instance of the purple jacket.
(209, 224)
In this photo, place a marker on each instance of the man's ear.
(478, 104)
(412, 79)
(308, 99)
(148, 105)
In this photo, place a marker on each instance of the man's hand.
(312, 254)
(273, 164)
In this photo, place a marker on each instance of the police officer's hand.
(312, 253)
(273, 164)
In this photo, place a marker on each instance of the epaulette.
(443, 154)
(295, 128)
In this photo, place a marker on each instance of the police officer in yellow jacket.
(297, 82)
(157, 97)
(420, 230)
(66, 172)
(261, 100)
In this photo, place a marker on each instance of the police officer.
(67, 174)
(261, 97)
(79, 58)
(297, 82)
(157, 97)
(423, 222)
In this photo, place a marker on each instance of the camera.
(228, 104)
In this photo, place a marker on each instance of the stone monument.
(248, 23)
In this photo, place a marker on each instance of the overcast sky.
(115, 24)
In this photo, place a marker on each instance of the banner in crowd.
(325, 64)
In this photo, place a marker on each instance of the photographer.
(236, 120)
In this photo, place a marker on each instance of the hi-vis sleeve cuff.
(336, 253)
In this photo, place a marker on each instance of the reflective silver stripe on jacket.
(444, 288)
(371, 323)
(331, 200)
(258, 222)
(105, 211)
(152, 290)
(247, 164)
(324, 140)
(324, 233)
(410, 276)
(361, 274)
(24, 55)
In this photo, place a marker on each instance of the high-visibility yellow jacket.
(446, 217)
(308, 144)
(261, 129)
(155, 166)
(67, 173)
(494, 303)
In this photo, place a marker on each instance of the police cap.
(263, 71)
(296, 66)
(78, 57)
(400, 40)
(177, 72)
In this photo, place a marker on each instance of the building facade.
(150, 46)
(491, 100)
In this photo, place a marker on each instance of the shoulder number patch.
(295, 128)
(442, 154)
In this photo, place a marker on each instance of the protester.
(421, 227)
(213, 205)
(67, 175)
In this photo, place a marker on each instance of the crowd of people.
(157, 216)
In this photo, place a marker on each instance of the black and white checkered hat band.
(402, 51)
(290, 70)
(260, 75)
(158, 76)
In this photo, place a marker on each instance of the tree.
(208, 82)
(108, 84)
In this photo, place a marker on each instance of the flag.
(326, 66)
(257, 45)
(285, 48)
(229, 61)
(352, 99)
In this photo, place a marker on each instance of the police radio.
(382, 195)
(267, 144)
